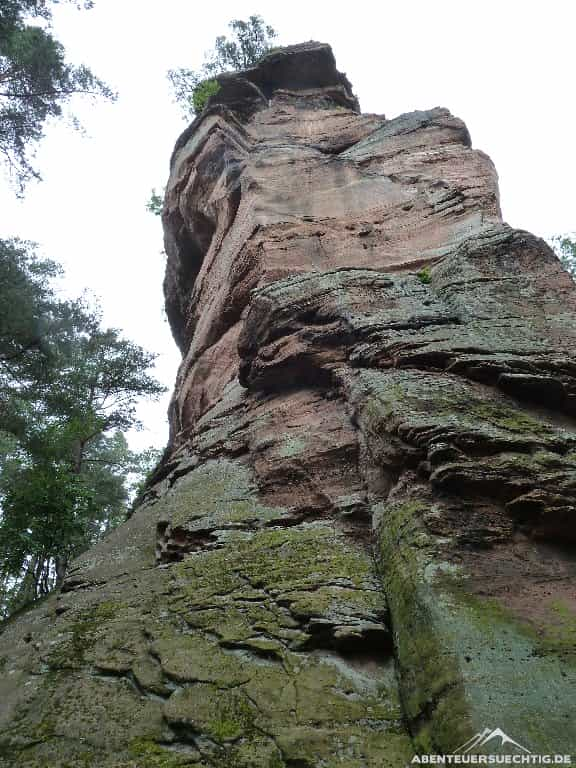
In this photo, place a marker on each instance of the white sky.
(506, 67)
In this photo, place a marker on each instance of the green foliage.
(202, 93)
(425, 276)
(68, 390)
(36, 82)
(23, 284)
(250, 40)
(155, 203)
(565, 248)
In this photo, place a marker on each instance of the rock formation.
(360, 541)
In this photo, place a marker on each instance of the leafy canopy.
(24, 284)
(249, 41)
(68, 390)
(155, 203)
(565, 247)
(36, 81)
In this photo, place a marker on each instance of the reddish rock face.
(403, 361)
(360, 541)
(305, 185)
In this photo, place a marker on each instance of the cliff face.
(361, 539)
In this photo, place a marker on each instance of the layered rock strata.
(360, 541)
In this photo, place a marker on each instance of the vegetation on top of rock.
(250, 40)
(424, 275)
(202, 93)
(36, 82)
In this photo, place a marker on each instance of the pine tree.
(36, 81)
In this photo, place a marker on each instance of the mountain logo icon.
(494, 736)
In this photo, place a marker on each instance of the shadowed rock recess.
(360, 542)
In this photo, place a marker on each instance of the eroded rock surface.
(360, 542)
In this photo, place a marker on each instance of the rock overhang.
(295, 68)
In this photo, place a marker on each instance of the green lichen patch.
(329, 692)
(339, 604)
(559, 635)
(463, 659)
(81, 633)
(522, 672)
(430, 680)
(222, 715)
(149, 676)
(414, 402)
(257, 594)
(236, 621)
(191, 658)
(473, 440)
(510, 417)
(551, 633)
(258, 752)
(80, 720)
(219, 493)
(273, 693)
(262, 647)
(150, 754)
(346, 747)
(275, 562)
(306, 556)
(57, 754)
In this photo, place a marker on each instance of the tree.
(26, 303)
(565, 247)
(249, 42)
(36, 82)
(68, 390)
(155, 203)
(51, 512)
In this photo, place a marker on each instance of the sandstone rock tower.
(360, 542)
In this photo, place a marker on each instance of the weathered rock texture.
(360, 542)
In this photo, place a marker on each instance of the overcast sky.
(506, 68)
